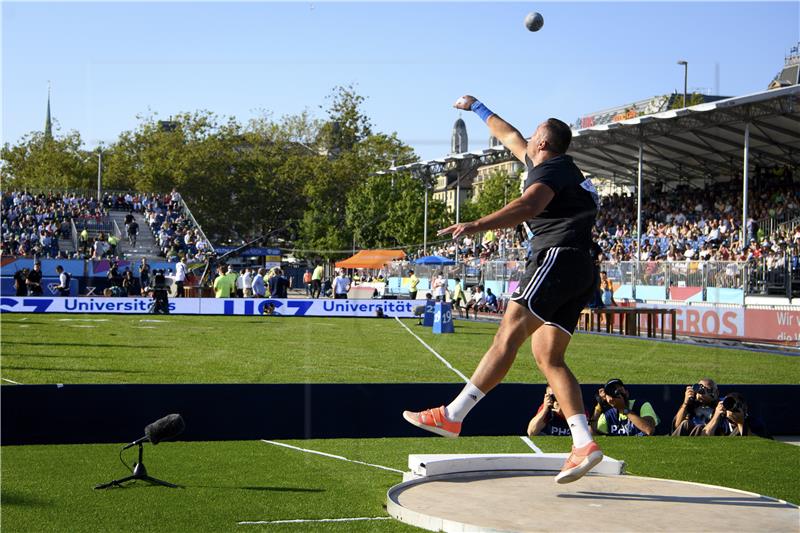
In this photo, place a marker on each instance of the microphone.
(162, 429)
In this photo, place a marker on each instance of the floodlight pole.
(745, 179)
(425, 223)
(638, 216)
(685, 80)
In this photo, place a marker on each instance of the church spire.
(48, 125)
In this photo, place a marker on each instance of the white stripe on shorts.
(541, 273)
(533, 279)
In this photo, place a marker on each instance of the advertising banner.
(213, 306)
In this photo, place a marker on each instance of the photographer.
(549, 420)
(699, 402)
(159, 292)
(732, 419)
(617, 415)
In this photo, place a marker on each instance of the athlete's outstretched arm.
(499, 128)
(531, 203)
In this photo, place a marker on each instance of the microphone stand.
(139, 472)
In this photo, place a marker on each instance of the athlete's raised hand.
(465, 102)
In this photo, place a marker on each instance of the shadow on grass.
(257, 488)
(11, 498)
(82, 370)
(83, 344)
(38, 355)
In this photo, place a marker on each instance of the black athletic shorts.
(557, 284)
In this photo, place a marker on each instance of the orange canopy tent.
(371, 259)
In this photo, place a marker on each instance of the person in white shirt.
(180, 277)
(439, 287)
(63, 281)
(259, 288)
(247, 282)
(341, 286)
(477, 301)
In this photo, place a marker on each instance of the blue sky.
(110, 61)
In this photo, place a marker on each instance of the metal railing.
(186, 211)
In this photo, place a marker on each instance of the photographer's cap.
(614, 382)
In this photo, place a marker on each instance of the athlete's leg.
(516, 326)
(549, 344)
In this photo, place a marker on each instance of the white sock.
(579, 427)
(464, 402)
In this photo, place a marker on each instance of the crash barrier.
(73, 414)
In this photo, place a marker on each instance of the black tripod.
(139, 472)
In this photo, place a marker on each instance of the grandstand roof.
(371, 259)
(700, 142)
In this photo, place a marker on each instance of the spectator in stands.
(616, 414)
(259, 287)
(316, 280)
(63, 281)
(732, 418)
(549, 420)
(113, 241)
(341, 285)
(224, 285)
(413, 282)
(34, 280)
(326, 289)
(133, 232)
(699, 402)
(279, 285)
(491, 302)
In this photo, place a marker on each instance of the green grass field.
(50, 488)
(208, 349)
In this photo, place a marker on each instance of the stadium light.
(685, 79)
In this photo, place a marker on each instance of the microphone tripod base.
(139, 473)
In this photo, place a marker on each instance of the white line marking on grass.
(83, 320)
(311, 520)
(24, 326)
(10, 381)
(152, 320)
(144, 327)
(531, 445)
(81, 326)
(330, 455)
(442, 359)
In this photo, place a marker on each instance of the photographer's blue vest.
(626, 427)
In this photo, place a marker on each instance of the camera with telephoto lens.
(731, 403)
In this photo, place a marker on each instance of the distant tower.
(48, 124)
(459, 143)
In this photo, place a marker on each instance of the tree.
(38, 162)
(499, 188)
(677, 100)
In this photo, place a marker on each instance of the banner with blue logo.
(213, 306)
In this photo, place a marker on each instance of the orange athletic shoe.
(435, 421)
(579, 462)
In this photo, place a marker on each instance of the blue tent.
(434, 260)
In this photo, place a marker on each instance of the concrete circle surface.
(530, 501)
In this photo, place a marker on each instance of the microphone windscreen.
(165, 428)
